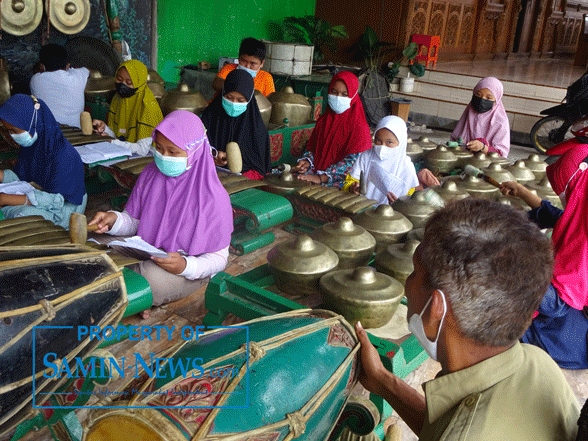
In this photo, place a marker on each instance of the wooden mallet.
(477, 173)
(78, 228)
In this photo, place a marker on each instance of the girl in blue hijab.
(45, 158)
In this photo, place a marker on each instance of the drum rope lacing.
(49, 309)
(297, 423)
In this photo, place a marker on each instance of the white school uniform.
(393, 171)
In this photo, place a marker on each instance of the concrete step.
(512, 88)
(444, 96)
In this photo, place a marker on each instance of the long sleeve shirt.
(336, 172)
(141, 147)
(197, 267)
(546, 215)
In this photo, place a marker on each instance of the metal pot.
(265, 107)
(183, 98)
(353, 244)
(416, 234)
(98, 85)
(426, 144)
(462, 155)
(396, 260)
(478, 188)
(289, 108)
(285, 182)
(414, 150)
(361, 294)
(521, 172)
(544, 191)
(514, 202)
(298, 265)
(479, 160)
(417, 209)
(156, 84)
(536, 165)
(449, 190)
(495, 157)
(440, 159)
(386, 225)
(499, 174)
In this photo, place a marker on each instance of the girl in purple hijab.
(484, 126)
(179, 205)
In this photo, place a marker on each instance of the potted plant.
(409, 53)
(314, 31)
(374, 84)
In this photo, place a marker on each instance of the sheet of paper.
(20, 188)
(16, 187)
(137, 243)
(382, 180)
(101, 151)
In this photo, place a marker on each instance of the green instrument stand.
(246, 297)
(254, 211)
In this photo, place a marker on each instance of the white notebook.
(137, 243)
(101, 151)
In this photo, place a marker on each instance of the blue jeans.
(561, 331)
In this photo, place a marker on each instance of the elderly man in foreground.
(479, 275)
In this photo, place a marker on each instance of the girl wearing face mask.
(45, 158)
(340, 135)
(560, 326)
(388, 171)
(484, 126)
(179, 205)
(134, 111)
(233, 115)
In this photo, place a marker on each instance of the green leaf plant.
(312, 30)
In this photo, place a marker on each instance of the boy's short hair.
(53, 57)
(492, 263)
(253, 47)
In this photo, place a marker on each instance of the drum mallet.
(362, 183)
(78, 228)
(477, 173)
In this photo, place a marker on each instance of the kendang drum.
(57, 288)
(290, 382)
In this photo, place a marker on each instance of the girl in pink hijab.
(484, 126)
(178, 205)
(560, 326)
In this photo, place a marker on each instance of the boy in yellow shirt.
(251, 59)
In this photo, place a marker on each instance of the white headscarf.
(395, 173)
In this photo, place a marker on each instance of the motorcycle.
(555, 127)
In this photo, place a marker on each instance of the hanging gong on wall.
(68, 16)
(21, 17)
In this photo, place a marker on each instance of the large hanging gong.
(68, 16)
(21, 17)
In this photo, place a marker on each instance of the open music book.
(136, 243)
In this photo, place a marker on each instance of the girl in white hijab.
(388, 171)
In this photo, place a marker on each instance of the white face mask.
(339, 104)
(383, 152)
(415, 325)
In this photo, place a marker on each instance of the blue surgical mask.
(24, 139)
(339, 104)
(169, 165)
(234, 109)
(415, 325)
(251, 72)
